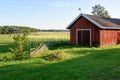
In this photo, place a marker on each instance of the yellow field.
(43, 35)
(5, 38)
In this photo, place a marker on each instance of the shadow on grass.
(97, 65)
(4, 47)
(68, 47)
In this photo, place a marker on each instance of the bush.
(54, 43)
(59, 55)
(50, 57)
(20, 45)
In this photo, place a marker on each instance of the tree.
(16, 29)
(20, 45)
(99, 10)
(0, 29)
(5, 29)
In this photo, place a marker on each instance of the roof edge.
(85, 16)
(110, 28)
(91, 20)
(68, 27)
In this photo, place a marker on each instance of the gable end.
(92, 21)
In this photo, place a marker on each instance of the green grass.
(82, 63)
(6, 41)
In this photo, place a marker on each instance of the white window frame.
(82, 30)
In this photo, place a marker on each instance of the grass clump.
(56, 56)
(6, 57)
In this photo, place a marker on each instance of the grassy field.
(47, 35)
(82, 63)
(6, 40)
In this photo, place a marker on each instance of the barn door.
(84, 37)
(80, 39)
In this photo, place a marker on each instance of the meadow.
(82, 63)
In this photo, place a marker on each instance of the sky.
(50, 14)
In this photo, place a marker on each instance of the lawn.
(82, 63)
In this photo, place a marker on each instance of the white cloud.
(63, 4)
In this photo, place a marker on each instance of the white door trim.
(100, 31)
(82, 30)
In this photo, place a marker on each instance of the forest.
(16, 29)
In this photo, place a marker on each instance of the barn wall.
(83, 23)
(118, 37)
(110, 37)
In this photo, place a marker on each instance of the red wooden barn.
(94, 30)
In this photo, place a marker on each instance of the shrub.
(50, 57)
(61, 55)
(20, 45)
(56, 55)
(54, 43)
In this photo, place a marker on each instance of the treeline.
(54, 30)
(16, 29)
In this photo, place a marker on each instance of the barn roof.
(101, 22)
